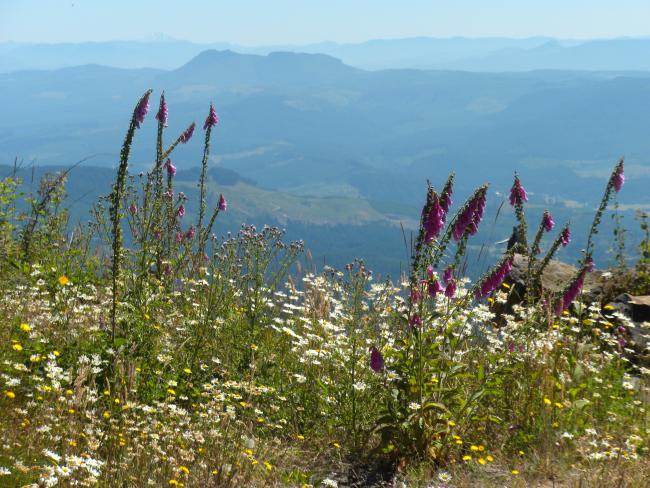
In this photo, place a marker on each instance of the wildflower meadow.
(144, 349)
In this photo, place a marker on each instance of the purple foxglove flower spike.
(181, 211)
(171, 169)
(179, 237)
(618, 177)
(518, 194)
(163, 113)
(471, 215)
(447, 191)
(133, 209)
(547, 221)
(415, 321)
(450, 291)
(187, 135)
(376, 360)
(494, 280)
(565, 237)
(190, 233)
(435, 221)
(448, 274)
(430, 271)
(223, 205)
(434, 288)
(211, 119)
(141, 110)
(572, 292)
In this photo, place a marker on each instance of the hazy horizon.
(255, 22)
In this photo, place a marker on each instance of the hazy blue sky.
(255, 22)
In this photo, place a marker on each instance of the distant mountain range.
(341, 155)
(470, 54)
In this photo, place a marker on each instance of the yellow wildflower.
(10, 394)
(63, 280)
(17, 347)
(25, 327)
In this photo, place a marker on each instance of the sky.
(269, 22)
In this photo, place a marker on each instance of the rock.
(555, 277)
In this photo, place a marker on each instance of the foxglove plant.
(210, 121)
(518, 196)
(139, 113)
(563, 239)
(615, 184)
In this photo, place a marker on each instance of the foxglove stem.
(559, 240)
(210, 122)
(615, 183)
(137, 118)
(546, 225)
(183, 138)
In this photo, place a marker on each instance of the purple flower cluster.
(471, 215)
(376, 360)
(189, 235)
(445, 197)
(171, 169)
(618, 177)
(450, 289)
(434, 287)
(571, 293)
(547, 221)
(142, 109)
(565, 237)
(223, 204)
(163, 113)
(434, 221)
(494, 280)
(187, 135)
(517, 193)
(181, 211)
(211, 119)
(416, 320)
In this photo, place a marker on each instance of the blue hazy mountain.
(471, 54)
